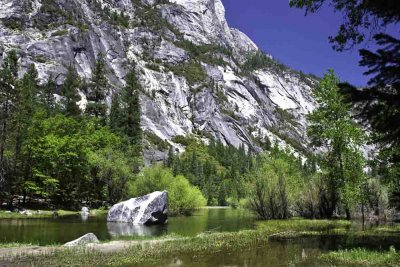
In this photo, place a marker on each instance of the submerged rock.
(149, 209)
(83, 240)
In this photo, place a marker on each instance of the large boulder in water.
(149, 209)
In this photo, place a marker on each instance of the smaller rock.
(25, 212)
(83, 240)
(8, 211)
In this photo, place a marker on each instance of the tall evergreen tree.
(8, 79)
(116, 115)
(130, 103)
(26, 104)
(98, 89)
(46, 96)
(69, 91)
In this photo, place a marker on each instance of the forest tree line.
(50, 149)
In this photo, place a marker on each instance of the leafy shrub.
(13, 24)
(183, 197)
(192, 71)
(205, 53)
(157, 141)
(274, 186)
(184, 140)
(153, 66)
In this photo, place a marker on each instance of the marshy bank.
(272, 243)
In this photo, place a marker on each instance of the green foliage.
(126, 113)
(75, 160)
(331, 127)
(183, 197)
(50, 151)
(207, 53)
(8, 95)
(150, 17)
(69, 91)
(361, 256)
(62, 32)
(13, 24)
(98, 87)
(259, 60)
(153, 66)
(287, 117)
(275, 185)
(192, 71)
(294, 143)
(216, 169)
(184, 140)
(157, 141)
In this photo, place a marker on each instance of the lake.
(295, 252)
(66, 228)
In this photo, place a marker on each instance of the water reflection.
(66, 228)
(129, 229)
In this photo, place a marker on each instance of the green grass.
(302, 225)
(47, 214)
(361, 257)
(155, 250)
(149, 252)
(17, 245)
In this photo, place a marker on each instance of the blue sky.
(295, 40)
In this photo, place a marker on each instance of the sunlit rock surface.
(149, 209)
(229, 104)
(83, 240)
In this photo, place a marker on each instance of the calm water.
(67, 228)
(295, 252)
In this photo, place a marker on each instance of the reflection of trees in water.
(129, 229)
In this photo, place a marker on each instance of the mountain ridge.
(199, 76)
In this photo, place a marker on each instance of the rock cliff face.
(191, 65)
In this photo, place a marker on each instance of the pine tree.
(26, 104)
(116, 115)
(98, 88)
(70, 94)
(46, 96)
(131, 123)
(8, 79)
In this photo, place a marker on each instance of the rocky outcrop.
(227, 102)
(83, 240)
(149, 209)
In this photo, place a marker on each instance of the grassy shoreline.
(137, 252)
(34, 214)
(127, 252)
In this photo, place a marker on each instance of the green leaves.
(183, 197)
(332, 129)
